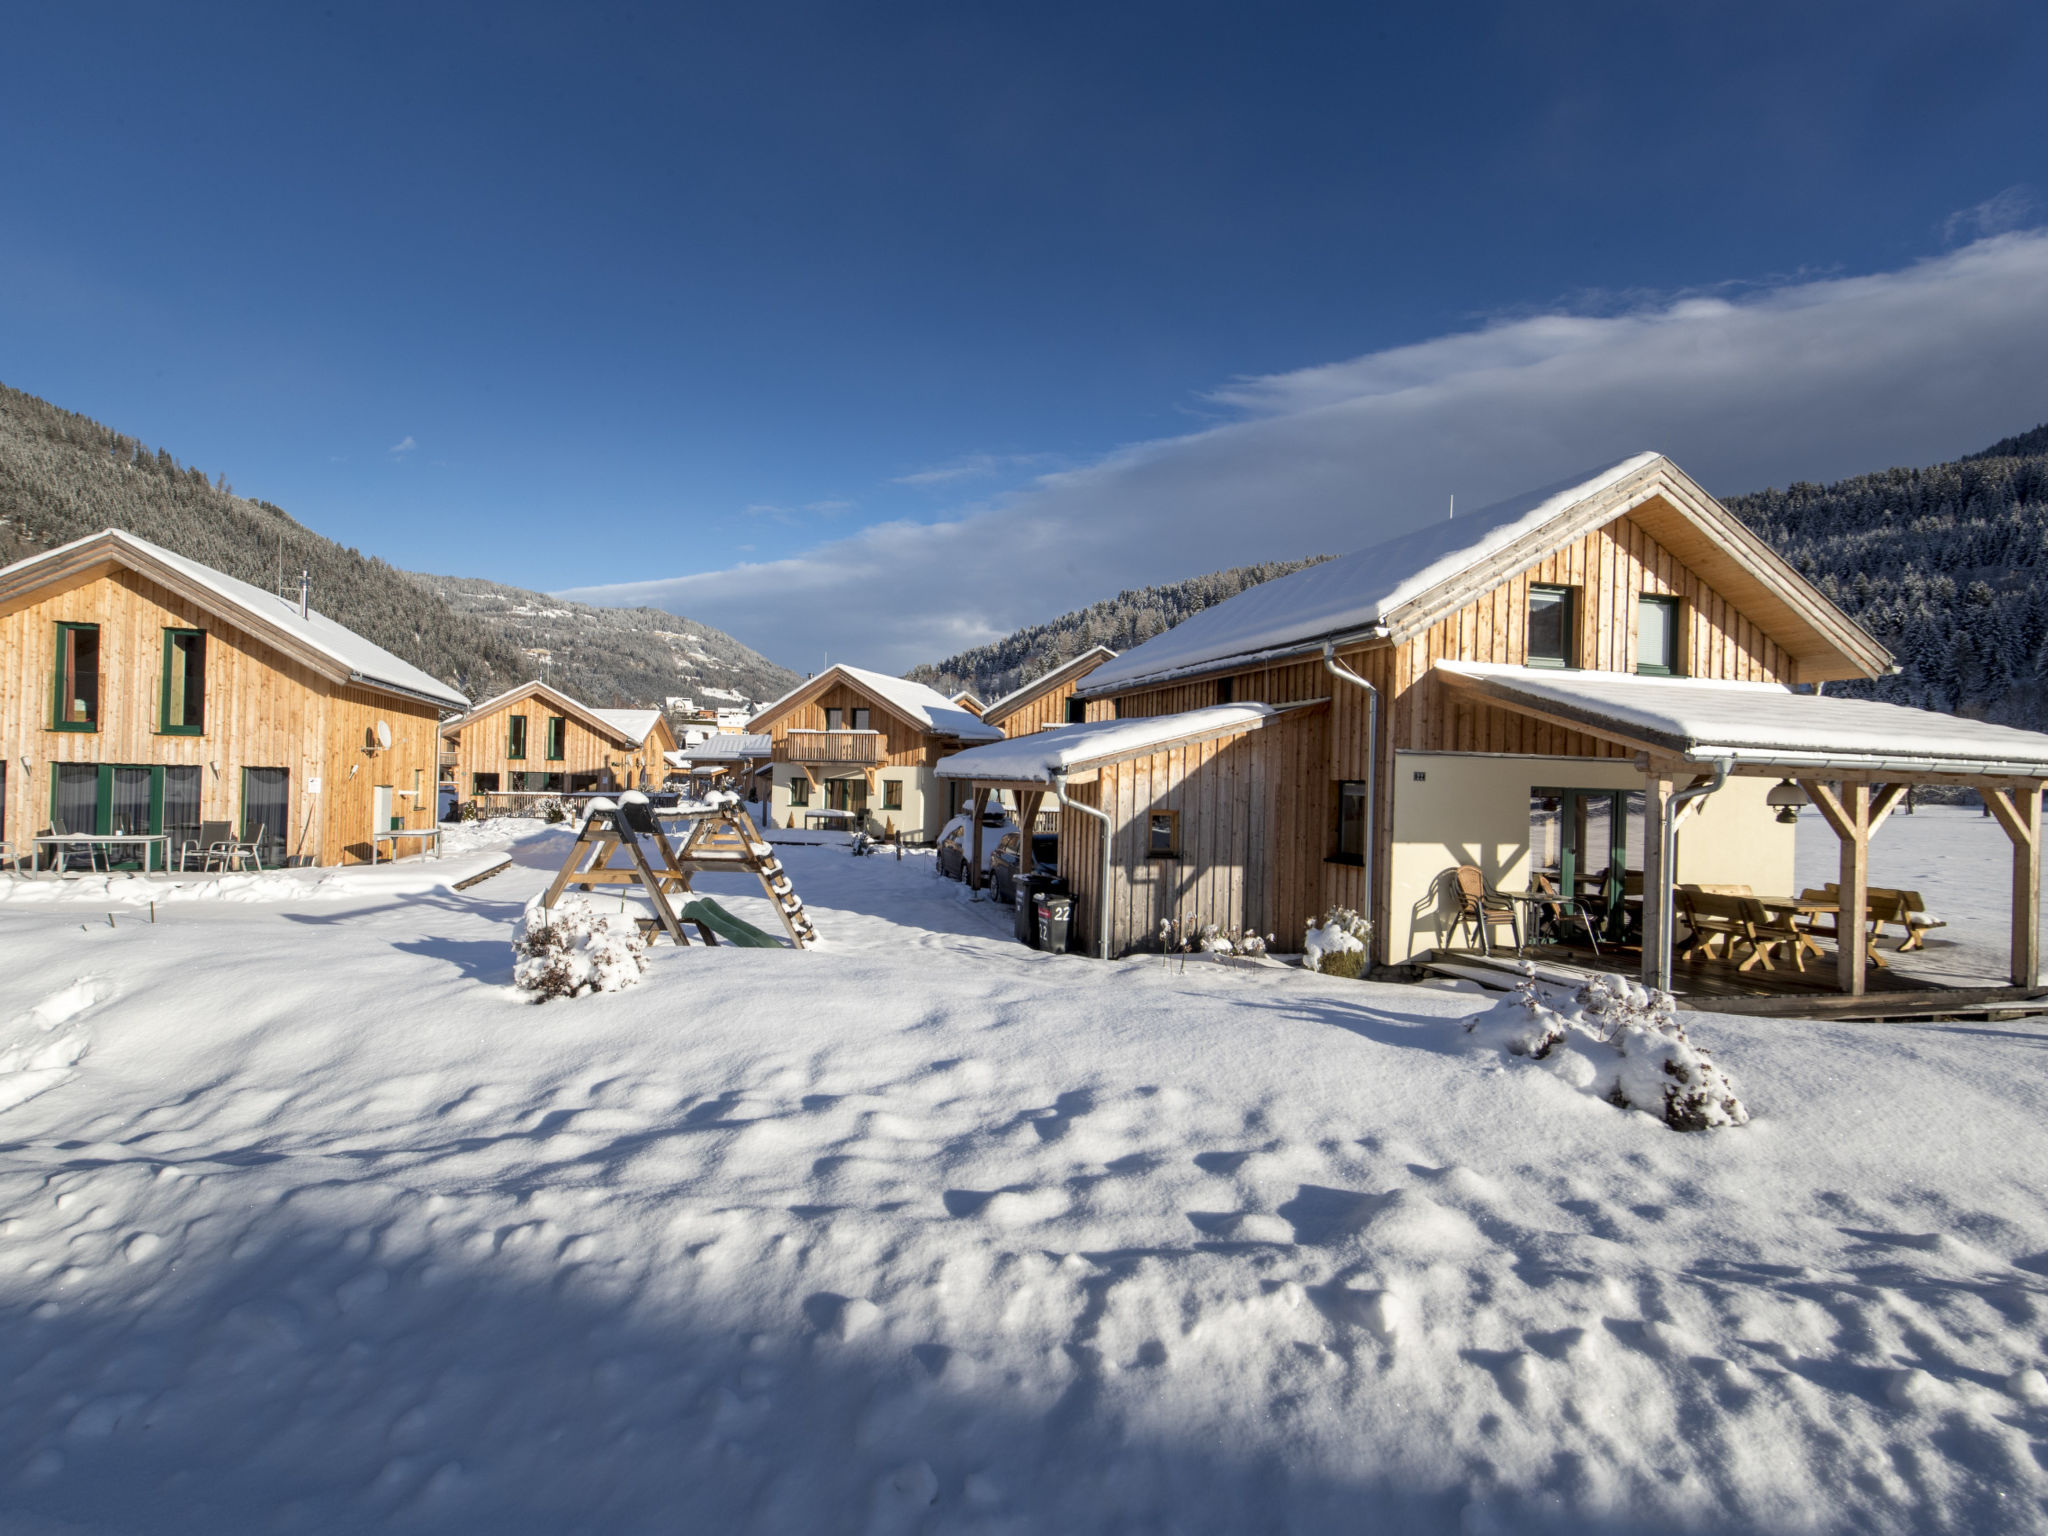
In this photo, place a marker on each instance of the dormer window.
(1550, 628)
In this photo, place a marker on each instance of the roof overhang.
(1072, 670)
(1045, 759)
(1677, 723)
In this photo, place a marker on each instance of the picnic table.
(60, 840)
(815, 821)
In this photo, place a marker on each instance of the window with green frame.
(800, 790)
(515, 737)
(557, 738)
(75, 690)
(1550, 630)
(1657, 636)
(182, 710)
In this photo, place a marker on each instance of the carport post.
(2019, 811)
(974, 869)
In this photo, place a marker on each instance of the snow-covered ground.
(310, 1222)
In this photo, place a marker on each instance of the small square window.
(1077, 711)
(1162, 835)
(1657, 636)
(800, 790)
(1226, 690)
(892, 794)
(860, 720)
(835, 719)
(1550, 627)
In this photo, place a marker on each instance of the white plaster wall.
(1473, 808)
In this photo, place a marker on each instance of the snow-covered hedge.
(1339, 944)
(1619, 1041)
(571, 948)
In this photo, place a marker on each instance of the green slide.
(703, 909)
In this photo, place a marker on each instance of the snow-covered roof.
(924, 707)
(635, 724)
(1351, 593)
(362, 660)
(1079, 666)
(1767, 723)
(727, 745)
(1035, 758)
(598, 720)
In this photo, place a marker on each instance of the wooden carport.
(1854, 759)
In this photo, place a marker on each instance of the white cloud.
(403, 446)
(1804, 380)
(969, 466)
(2014, 208)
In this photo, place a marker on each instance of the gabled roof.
(1762, 724)
(592, 719)
(636, 724)
(925, 708)
(1400, 587)
(1036, 758)
(1040, 686)
(317, 642)
(729, 747)
(967, 701)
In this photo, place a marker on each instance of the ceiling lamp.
(1786, 797)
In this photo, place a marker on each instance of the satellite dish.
(383, 736)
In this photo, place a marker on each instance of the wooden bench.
(1739, 921)
(1888, 907)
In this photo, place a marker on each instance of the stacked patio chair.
(1481, 909)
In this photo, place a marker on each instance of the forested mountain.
(1119, 622)
(1947, 566)
(64, 476)
(618, 656)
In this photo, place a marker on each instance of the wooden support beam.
(1848, 814)
(974, 869)
(2018, 811)
(1883, 803)
(1657, 881)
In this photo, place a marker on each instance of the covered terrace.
(1852, 759)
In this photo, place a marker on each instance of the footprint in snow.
(41, 1046)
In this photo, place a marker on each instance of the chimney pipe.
(305, 592)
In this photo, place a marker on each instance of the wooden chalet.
(860, 749)
(1546, 687)
(147, 693)
(536, 740)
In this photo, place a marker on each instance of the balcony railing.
(830, 747)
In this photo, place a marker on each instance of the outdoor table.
(1809, 910)
(422, 833)
(815, 821)
(57, 840)
(1572, 905)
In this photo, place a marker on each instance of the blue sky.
(778, 315)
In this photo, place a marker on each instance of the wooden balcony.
(863, 747)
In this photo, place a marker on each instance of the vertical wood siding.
(1294, 786)
(263, 710)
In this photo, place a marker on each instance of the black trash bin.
(1055, 919)
(1029, 889)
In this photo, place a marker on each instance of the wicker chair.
(1480, 909)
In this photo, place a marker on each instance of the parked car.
(956, 840)
(1002, 869)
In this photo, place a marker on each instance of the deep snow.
(309, 1221)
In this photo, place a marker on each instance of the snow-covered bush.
(1177, 937)
(1620, 1041)
(1339, 944)
(571, 948)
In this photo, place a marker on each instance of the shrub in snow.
(1620, 1041)
(571, 948)
(1177, 937)
(1337, 946)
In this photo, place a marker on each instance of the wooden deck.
(1718, 987)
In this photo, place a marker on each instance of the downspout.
(1667, 869)
(1059, 784)
(1338, 670)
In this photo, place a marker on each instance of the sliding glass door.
(114, 799)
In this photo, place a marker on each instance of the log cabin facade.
(141, 691)
(864, 745)
(1049, 699)
(1407, 729)
(536, 740)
